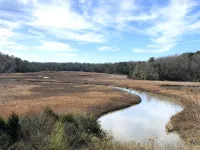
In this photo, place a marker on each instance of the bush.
(90, 125)
(4, 140)
(49, 131)
(9, 130)
(68, 118)
(49, 112)
(2, 125)
(79, 130)
(35, 131)
(13, 126)
(58, 138)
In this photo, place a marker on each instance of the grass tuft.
(58, 140)
(68, 118)
(49, 112)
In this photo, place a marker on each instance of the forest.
(184, 67)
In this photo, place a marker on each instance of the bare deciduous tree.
(7, 65)
(192, 113)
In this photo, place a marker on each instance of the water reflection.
(144, 120)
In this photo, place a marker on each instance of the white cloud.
(108, 48)
(142, 17)
(53, 58)
(59, 19)
(55, 47)
(48, 46)
(36, 34)
(9, 24)
(90, 37)
(5, 33)
(194, 26)
(59, 15)
(6, 44)
(25, 2)
(92, 21)
(67, 54)
(169, 25)
(159, 49)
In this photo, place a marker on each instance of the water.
(144, 120)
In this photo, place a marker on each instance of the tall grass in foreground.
(187, 122)
(48, 131)
(193, 115)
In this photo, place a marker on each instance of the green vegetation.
(183, 67)
(48, 131)
(9, 130)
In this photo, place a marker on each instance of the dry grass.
(26, 98)
(92, 99)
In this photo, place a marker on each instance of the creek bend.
(144, 120)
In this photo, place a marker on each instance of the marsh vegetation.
(80, 93)
(47, 130)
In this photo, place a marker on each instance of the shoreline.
(114, 109)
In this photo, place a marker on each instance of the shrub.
(4, 140)
(35, 131)
(49, 112)
(90, 125)
(75, 131)
(68, 118)
(2, 125)
(9, 131)
(58, 139)
(13, 126)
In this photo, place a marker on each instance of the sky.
(98, 31)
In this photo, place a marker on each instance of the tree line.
(184, 67)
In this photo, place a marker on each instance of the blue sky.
(98, 30)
